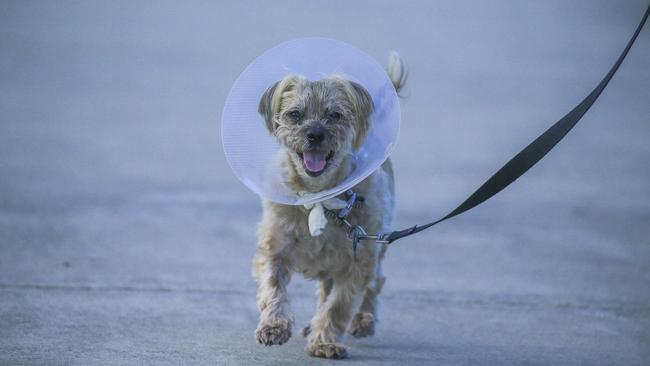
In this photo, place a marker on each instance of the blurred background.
(126, 239)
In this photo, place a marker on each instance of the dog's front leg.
(275, 319)
(328, 325)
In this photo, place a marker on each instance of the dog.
(320, 124)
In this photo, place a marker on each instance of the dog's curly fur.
(337, 111)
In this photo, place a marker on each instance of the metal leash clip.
(355, 233)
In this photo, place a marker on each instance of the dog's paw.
(362, 325)
(274, 332)
(306, 330)
(327, 350)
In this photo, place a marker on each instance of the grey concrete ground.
(126, 240)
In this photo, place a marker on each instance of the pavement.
(126, 240)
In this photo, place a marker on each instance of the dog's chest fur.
(331, 253)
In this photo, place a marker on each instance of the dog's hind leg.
(363, 322)
(324, 289)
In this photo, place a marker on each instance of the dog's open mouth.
(315, 162)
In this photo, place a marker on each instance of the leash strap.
(527, 157)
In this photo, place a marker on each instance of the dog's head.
(321, 123)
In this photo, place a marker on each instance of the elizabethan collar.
(252, 151)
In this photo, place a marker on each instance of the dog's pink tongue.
(314, 161)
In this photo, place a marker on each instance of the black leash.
(523, 161)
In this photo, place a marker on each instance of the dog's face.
(320, 122)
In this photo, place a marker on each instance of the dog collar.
(253, 153)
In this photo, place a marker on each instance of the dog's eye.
(334, 116)
(294, 115)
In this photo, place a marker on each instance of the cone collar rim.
(250, 149)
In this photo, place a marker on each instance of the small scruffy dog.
(320, 124)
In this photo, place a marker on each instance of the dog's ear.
(363, 108)
(265, 108)
(271, 101)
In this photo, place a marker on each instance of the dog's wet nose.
(316, 134)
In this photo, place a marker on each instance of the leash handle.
(527, 157)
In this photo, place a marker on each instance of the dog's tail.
(397, 70)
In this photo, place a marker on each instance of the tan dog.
(321, 124)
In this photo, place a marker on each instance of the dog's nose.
(316, 134)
